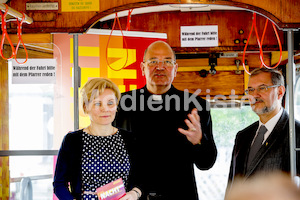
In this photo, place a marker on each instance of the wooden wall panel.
(69, 22)
(222, 83)
(286, 11)
(229, 24)
(37, 45)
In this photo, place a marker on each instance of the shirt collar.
(159, 96)
(273, 121)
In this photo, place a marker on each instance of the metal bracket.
(238, 71)
(213, 62)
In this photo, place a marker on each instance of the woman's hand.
(133, 194)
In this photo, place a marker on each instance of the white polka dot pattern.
(104, 160)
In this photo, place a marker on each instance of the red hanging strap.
(261, 55)
(116, 19)
(129, 20)
(260, 43)
(5, 35)
(20, 40)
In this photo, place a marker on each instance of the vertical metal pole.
(26, 189)
(76, 78)
(291, 71)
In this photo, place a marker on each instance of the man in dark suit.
(268, 150)
(173, 128)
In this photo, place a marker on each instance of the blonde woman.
(98, 154)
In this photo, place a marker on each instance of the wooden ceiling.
(230, 23)
(284, 13)
(234, 24)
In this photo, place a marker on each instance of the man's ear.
(281, 91)
(142, 65)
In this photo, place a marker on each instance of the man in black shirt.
(173, 128)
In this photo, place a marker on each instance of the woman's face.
(102, 110)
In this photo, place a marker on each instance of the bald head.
(159, 45)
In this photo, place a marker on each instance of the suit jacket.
(274, 154)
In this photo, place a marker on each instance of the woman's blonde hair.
(94, 87)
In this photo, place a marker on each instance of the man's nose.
(251, 98)
(160, 65)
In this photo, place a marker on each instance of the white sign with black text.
(199, 36)
(34, 71)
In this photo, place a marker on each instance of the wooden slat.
(4, 129)
(276, 55)
(218, 68)
(33, 54)
(4, 104)
(252, 60)
(32, 38)
(36, 42)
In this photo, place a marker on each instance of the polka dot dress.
(104, 160)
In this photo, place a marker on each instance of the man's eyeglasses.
(165, 62)
(261, 89)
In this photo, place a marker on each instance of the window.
(31, 128)
(227, 122)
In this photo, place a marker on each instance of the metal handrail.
(16, 13)
(4, 153)
(39, 177)
(26, 189)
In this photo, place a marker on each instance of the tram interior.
(39, 113)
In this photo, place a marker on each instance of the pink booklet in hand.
(111, 191)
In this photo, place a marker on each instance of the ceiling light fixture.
(188, 5)
(191, 7)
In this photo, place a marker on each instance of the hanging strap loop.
(261, 55)
(116, 19)
(5, 35)
(20, 40)
(129, 20)
(260, 44)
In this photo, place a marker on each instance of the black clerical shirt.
(166, 157)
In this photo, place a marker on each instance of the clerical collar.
(157, 97)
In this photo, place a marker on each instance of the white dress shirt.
(269, 125)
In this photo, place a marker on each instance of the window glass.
(31, 128)
(31, 116)
(37, 170)
(227, 122)
(35, 122)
